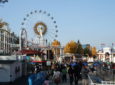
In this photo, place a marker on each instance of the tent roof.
(31, 52)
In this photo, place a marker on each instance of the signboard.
(48, 63)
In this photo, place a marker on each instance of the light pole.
(113, 70)
(112, 52)
(48, 54)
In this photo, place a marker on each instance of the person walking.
(80, 63)
(85, 72)
(64, 74)
(76, 71)
(70, 72)
(57, 77)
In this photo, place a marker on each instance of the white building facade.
(6, 38)
(106, 54)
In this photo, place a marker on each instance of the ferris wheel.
(40, 26)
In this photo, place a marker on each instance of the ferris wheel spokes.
(40, 26)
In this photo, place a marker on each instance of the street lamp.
(112, 52)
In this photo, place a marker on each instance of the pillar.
(4, 43)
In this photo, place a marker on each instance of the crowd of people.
(74, 70)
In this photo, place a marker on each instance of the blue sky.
(90, 21)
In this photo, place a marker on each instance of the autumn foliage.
(76, 48)
(94, 52)
(1, 25)
(56, 44)
(71, 47)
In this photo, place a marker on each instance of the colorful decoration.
(40, 28)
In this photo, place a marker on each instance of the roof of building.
(31, 52)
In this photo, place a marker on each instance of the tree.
(1, 24)
(87, 51)
(93, 50)
(56, 44)
(79, 48)
(70, 47)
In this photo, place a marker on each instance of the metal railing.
(102, 82)
(108, 83)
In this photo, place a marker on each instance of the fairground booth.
(34, 57)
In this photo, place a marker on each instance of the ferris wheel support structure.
(23, 38)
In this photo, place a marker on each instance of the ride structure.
(38, 30)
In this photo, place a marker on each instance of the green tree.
(87, 51)
(79, 48)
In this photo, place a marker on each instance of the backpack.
(64, 71)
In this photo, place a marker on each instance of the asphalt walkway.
(21, 81)
(68, 83)
(24, 81)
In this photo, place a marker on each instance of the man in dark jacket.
(85, 72)
(70, 72)
(76, 71)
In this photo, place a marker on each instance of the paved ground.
(19, 81)
(67, 83)
(23, 81)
